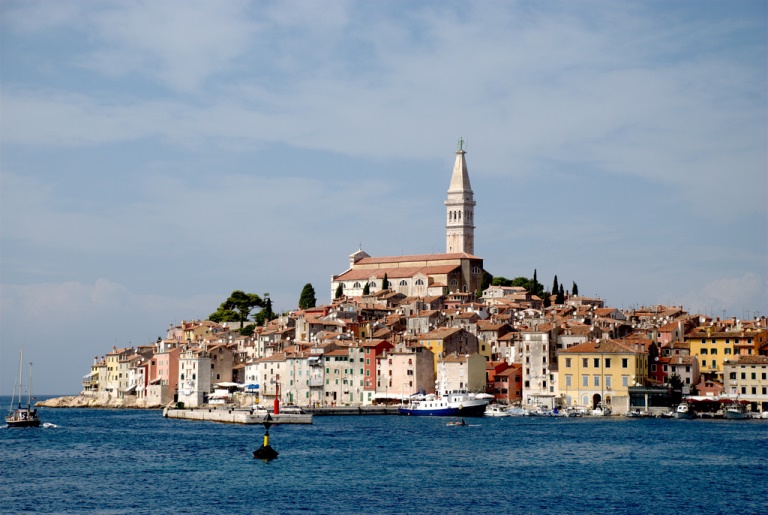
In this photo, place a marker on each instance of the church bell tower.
(460, 209)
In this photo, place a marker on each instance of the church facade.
(422, 275)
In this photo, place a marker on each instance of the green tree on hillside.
(237, 307)
(307, 299)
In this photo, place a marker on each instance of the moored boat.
(737, 411)
(684, 410)
(494, 410)
(22, 416)
(428, 406)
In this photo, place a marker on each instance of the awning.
(250, 386)
(88, 376)
(227, 384)
(156, 380)
(129, 389)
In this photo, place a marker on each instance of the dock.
(236, 416)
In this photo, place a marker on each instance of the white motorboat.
(737, 411)
(494, 410)
(684, 410)
(518, 412)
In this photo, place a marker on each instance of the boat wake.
(49, 425)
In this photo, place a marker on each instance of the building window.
(419, 282)
(596, 362)
(567, 362)
(624, 362)
(703, 362)
(356, 285)
(607, 362)
(596, 380)
(714, 351)
(568, 380)
(584, 362)
(585, 380)
(608, 382)
(403, 283)
(704, 352)
(624, 380)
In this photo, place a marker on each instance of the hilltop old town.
(401, 325)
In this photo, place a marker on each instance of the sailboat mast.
(29, 393)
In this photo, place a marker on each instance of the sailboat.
(20, 416)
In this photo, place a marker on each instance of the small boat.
(515, 411)
(667, 414)
(684, 410)
(22, 416)
(600, 411)
(456, 423)
(737, 411)
(494, 410)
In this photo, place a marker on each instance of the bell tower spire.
(460, 208)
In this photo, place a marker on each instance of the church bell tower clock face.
(460, 208)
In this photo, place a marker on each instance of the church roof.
(395, 273)
(415, 257)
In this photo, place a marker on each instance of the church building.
(422, 275)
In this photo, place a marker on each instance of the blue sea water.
(135, 461)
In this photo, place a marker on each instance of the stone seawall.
(235, 416)
(82, 401)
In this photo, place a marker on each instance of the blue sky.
(156, 155)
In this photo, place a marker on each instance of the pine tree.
(555, 286)
(307, 299)
(575, 290)
(339, 291)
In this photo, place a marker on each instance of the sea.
(136, 461)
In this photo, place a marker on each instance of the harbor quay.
(250, 416)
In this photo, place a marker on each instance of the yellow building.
(601, 372)
(713, 346)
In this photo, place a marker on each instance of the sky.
(157, 155)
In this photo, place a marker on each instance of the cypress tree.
(367, 289)
(339, 291)
(555, 287)
(575, 289)
(307, 299)
(385, 283)
(560, 296)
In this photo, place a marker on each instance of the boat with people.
(456, 423)
(22, 416)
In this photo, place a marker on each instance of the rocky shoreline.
(81, 401)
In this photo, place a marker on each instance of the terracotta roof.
(440, 333)
(363, 274)
(604, 347)
(415, 257)
(750, 360)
